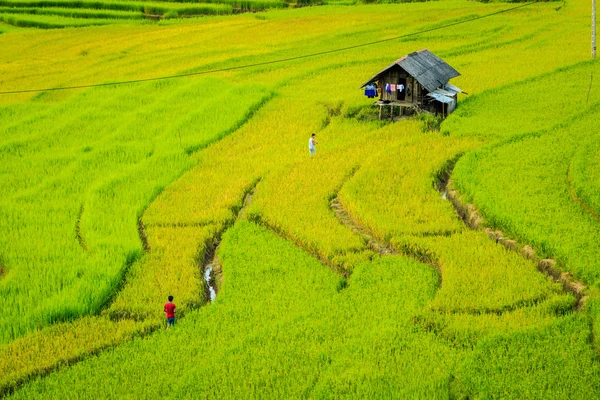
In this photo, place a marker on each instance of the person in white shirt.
(311, 145)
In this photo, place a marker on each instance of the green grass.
(253, 5)
(72, 13)
(28, 20)
(528, 106)
(148, 8)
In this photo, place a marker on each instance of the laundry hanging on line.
(371, 90)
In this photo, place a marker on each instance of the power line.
(212, 71)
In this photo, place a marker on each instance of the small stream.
(208, 277)
(210, 257)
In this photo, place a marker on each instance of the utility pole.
(593, 28)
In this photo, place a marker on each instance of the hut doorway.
(409, 90)
(401, 89)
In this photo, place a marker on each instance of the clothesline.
(392, 87)
(371, 89)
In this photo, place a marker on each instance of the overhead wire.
(282, 60)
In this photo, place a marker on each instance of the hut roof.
(427, 68)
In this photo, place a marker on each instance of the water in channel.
(210, 282)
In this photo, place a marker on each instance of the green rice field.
(156, 148)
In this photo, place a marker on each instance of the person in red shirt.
(170, 312)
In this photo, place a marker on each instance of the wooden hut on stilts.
(414, 83)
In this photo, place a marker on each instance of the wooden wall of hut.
(412, 92)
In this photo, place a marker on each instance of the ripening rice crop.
(63, 343)
(265, 276)
(83, 173)
(536, 207)
(109, 171)
(173, 265)
(404, 172)
(501, 366)
(479, 275)
(467, 330)
(29, 20)
(322, 333)
(73, 13)
(585, 173)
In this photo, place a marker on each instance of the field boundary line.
(142, 234)
(347, 220)
(507, 309)
(261, 221)
(199, 224)
(376, 244)
(78, 234)
(587, 208)
(472, 217)
(3, 269)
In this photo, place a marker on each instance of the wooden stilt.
(380, 108)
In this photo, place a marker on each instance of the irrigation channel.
(346, 219)
(471, 216)
(373, 242)
(211, 270)
(210, 282)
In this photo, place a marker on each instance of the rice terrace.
(438, 237)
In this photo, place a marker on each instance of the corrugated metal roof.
(440, 97)
(452, 88)
(427, 68)
(444, 92)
